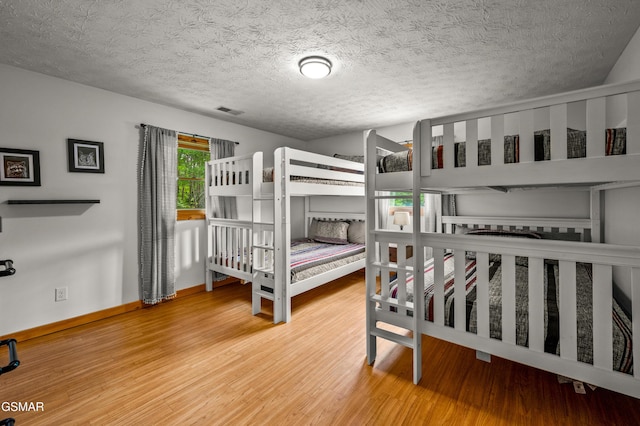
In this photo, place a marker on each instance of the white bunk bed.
(230, 241)
(258, 249)
(466, 314)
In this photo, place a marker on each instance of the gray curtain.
(223, 207)
(158, 158)
(449, 205)
(432, 212)
(384, 204)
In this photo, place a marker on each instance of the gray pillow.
(332, 232)
(356, 232)
(313, 228)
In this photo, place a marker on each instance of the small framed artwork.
(19, 167)
(85, 156)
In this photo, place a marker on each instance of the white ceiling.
(394, 61)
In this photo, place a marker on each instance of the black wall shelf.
(16, 202)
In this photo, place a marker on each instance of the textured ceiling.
(394, 61)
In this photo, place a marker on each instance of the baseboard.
(43, 330)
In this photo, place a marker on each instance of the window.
(193, 153)
(405, 203)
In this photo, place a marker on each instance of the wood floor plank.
(203, 359)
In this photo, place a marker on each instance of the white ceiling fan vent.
(229, 110)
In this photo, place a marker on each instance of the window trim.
(199, 144)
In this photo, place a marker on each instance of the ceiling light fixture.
(315, 67)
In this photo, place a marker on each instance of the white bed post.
(282, 229)
(207, 188)
(633, 123)
(370, 240)
(308, 217)
(635, 310)
(596, 217)
(426, 158)
(421, 130)
(256, 230)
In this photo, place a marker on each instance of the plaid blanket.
(622, 336)
(615, 144)
(267, 176)
(307, 254)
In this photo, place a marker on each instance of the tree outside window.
(406, 201)
(193, 154)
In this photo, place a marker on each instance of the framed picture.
(85, 156)
(19, 167)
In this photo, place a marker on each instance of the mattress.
(310, 258)
(267, 176)
(622, 339)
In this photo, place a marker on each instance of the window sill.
(190, 215)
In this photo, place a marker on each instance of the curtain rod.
(190, 134)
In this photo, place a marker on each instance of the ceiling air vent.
(229, 110)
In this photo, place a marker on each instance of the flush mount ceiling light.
(315, 67)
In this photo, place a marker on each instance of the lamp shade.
(401, 218)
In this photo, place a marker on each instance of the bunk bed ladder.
(263, 244)
(380, 305)
(263, 264)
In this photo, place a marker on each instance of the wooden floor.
(205, 360)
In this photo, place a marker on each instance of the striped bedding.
(615, 144)
(622, 338)
(309, 258)
(267, 176)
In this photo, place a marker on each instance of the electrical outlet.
(61, 293)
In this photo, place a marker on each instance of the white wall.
(627, 67)
(91, 250)
(530, 203)
(351, 144)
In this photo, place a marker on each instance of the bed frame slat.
(384, 278)
(401, 275)
(635, 312)
(596, 125)
(460, 290)
(536, 304)
(558, 128)
(438, 289)
(471, 145)
(567, 309)
(525, 119)
(482, 293)
(602, 319)
(497, 139)
(509, 299)
(448, 149)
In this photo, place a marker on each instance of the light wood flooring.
(204, 359)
